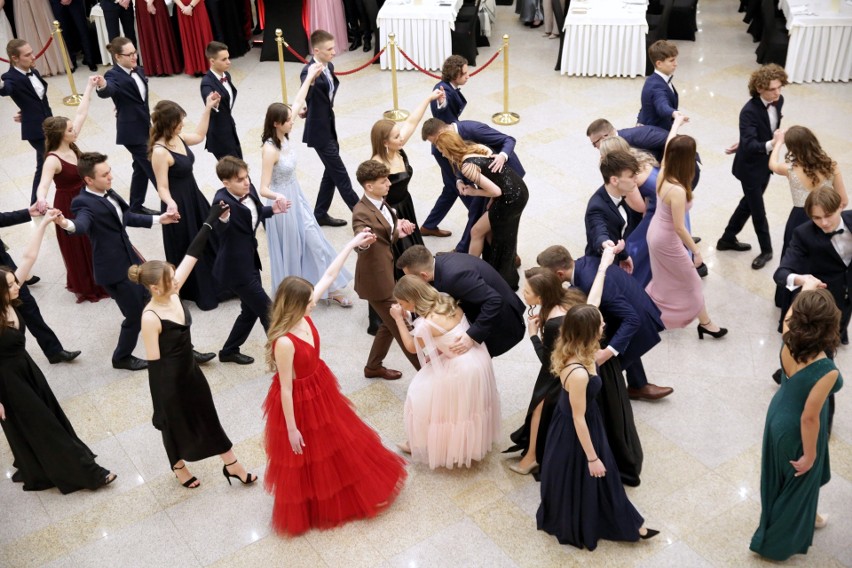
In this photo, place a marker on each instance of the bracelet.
(208, 225)
(594, 460)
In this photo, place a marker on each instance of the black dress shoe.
(761, 260)
(33, 280)
(355, 44)
(130, 363)
(368, 45)
(736, 245)
(202, 358)
(93, 68)
(145, 211)
(776, 376)
(702, 270)
(329, 221)
(63, 356)
(237, 358)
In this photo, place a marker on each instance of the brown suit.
(374, 280)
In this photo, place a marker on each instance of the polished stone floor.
(700, 483)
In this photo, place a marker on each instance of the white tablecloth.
(422, 30)
(820, 46)
(605, 39)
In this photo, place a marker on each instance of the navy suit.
(133, 126)
(810, 252)
(114, 15)
(751, 167)
(321, 135)
(478, 133)
(454, 106)
(45, 337)
(633, 322)
(222, 139)
(649, 138)
(605, 223)
(495, 312)
(659, 101)
(112, 255)
(237, 266)
(33, 112)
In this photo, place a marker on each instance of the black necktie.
(833, 233)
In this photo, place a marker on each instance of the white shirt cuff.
(791, 282)
(70, 227)
(613, 349)
(769, 147)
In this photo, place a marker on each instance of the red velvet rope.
(39, 54)
(367, 64)
(416, 66)
(296, 55)
(487, 63)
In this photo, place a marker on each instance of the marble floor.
(700, 483)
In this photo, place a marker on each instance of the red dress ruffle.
(344, 472)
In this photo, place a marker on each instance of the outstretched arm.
(197, 137)
(31, 252)
(776, 163)
(196, 247)
(83, 109)
(407, 128)
(299, 102)
(607, 257)
(361, 239)
(679, 119)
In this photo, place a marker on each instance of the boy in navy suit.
(127, 85)
(222, 139)
(321, 133)
(649, 138)
(237, 266)
(759, 119)
(608, 218)
(24, 84)
(454, 74)
(659, 97)
(102, 215)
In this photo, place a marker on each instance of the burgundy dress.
(195, 34)
(157, 40)
(76, 250)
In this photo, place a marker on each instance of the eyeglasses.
(131, 54)
(597, 142)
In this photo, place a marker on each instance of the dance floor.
(700, 482)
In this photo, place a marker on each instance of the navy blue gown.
(577, 508)
(637, 243)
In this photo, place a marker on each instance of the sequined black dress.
(399, 198)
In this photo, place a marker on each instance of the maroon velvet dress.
(157, 44)
(195, 34)
(76, 250)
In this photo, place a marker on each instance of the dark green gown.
(789, 503)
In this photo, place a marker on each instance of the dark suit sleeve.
(206, 88)
(8, 86)
(651, 138)
(109, 89)
(660, 99)
(484, 134)
(794, 261)
(616, 305)
(14, 217)
(749, 140)
(470, 288)
(266, 212)
(132, 219)
(596, 230)
(82, 218)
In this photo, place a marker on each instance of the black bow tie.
(772, 104)
(29, 73)
(622, 203)
(110, 193)
(833, 233)
(132, 71)
(243, 198)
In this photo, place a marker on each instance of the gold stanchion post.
(279, 39)
(506, 118)
(396, 114)
(74, 99)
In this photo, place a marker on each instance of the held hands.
(212, 100)
(406, 227)
(462, 344)
(627, 265)
(38, 208)
(438, 95)
(608, 253)
(61, 221)
(281, 205)
(397, 312)
(497, 163)
(602, 356)
(363, 240)
(533, 323)
(314, 71)
(812, 283)
(169, 217)
(802, 465)
(296, 440)
(778, 137)
(218, 212)
(171, 207)
(50, 216)
(679, 117)
(597, 468)
(93, 82)
(101, 83)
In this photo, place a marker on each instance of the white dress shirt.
(842, 243)
(249, 203)
(39, 88)
(227, 86)
(384, 209)
(621, 210)
(773, 121)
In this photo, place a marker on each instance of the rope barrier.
(487, 63)
(416, 66)
(296, 55)
(367, 64)
(39, 54)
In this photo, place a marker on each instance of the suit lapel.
(381, 218)
(220, 88)
(614, 208)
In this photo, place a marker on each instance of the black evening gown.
(200, 287)
(46, 450)
(617, 413)
(505, 217)
(399, 198)
(577, 508)
(546, 389)
(227, 20)
(183, 404)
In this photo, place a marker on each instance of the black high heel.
(189, 482)
(649, 533)
(714, 334)
(249, 477)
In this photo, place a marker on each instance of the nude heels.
(524, 470)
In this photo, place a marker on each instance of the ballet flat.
(821, 521)
(524, 471)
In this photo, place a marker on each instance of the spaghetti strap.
(572, 370)
(155, 313)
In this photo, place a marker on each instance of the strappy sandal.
(250, 478)
(189, 482)
(341, 300)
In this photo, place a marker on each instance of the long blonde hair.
(426, 299)
(579, 337)
(613, 143)
(451, 145)
(291, 302)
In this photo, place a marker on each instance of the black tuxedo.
(810, 252)
(495, 312)
(112, 255)
(222, 139)
(455, 103)
(751, 167)
(45, 337)
(237, 266)
(633, 322)
(33, 112)
(659, 101)
(605, 223)
(321, 135)
(133, 126)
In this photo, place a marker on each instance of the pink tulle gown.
(328, 15)
(452, 411)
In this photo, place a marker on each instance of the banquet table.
(605, 38)
(820, 47)
(422, 29)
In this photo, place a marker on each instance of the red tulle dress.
(195, 34)
(344, 472)
(76, 250)
(157, 40)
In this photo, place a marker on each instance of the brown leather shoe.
(649, 392)
(435, 232)
(382, 373)
(517, 261)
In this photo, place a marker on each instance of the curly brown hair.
(760, 79)
(813, 325)
(452, 68)
(803, 150)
